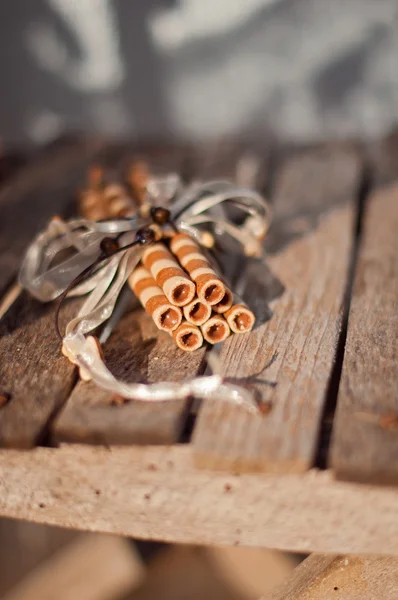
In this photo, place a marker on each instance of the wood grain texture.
(138, 352)
(39, 191)
(365, 442)
(310, 248)
(322, 577)
(33, 372)
(157, 493)
(135, 352)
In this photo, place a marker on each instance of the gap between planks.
(136, 351)
(330, 405)
(365, 443)
(33, 371)
(157, 493)
(310, 247)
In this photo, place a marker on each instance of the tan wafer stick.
(240, 318)
(226, 302)
(175, 283)
(166, 316)
(137, 177)
(91, 205)
(188, 337)
(117, 201)
(209, 287)
(197, 312)
(215, 330)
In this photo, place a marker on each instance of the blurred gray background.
(304, 69)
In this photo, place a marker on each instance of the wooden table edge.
(156, 493)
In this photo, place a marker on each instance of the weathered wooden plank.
(310, 249)
(383, 159)
(322, 577)
(42, 189)
(34, 375)
(44, 377)
(154, 492)
(138, 352)
(365, 442)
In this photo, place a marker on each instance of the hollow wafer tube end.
(179, 290)
(197, 312)
(225, 303)
(240, 318)
(209, 287)
(215, 330)
(188, 337)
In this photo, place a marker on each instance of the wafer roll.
(215, 330)
(91, 205)
(240, 318)
(175, 283)
(166, 316)
(209, 287)
(117, 201)
(197, 312)
(188, 337)
(226, 302)
(138, 177)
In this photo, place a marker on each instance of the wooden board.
(33, 372)
(41, 190)
(156, 493)
(322, 577)
(365, 442)
(138, 352)
(305, 281)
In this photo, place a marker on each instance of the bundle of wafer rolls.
(174, 281)
(106, 197)
(183, 294)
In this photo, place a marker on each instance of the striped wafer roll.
(188, 337)
(197, 312)
(117, 201)
(215, 330)
(91, 205)
(137, 177)
(175, 283)
(240, 318)
(209, 286)
(226, 302)
(166, 316)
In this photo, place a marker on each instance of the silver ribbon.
(193, 210)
